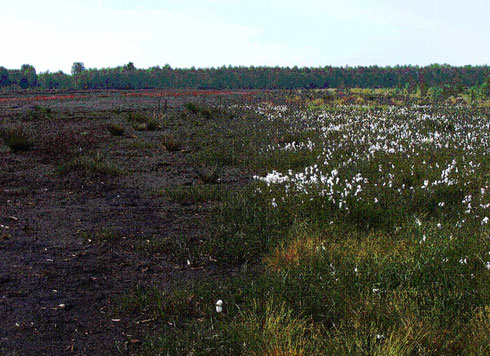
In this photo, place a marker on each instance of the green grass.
(386, 259)
(180, 249)
(194, 194)
(141, 121)
(140, 144)
(90, 166)
(208, 174)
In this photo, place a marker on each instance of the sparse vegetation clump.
(17, 139)
(202, 110)
(141, 121)
(208, 173)
(171, 143)
(90, 166)
(39, 113)
(115, 129)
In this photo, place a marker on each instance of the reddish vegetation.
(149, 94)
(190, 93)
(45, 98)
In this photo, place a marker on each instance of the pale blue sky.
(51, 35)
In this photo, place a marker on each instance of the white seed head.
(219, 306)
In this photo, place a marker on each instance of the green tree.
(77, 68)
(29, 76)
(4, 77)
(486, 87)
(129, 67)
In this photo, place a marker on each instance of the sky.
(51, 35)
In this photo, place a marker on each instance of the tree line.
(229, 77)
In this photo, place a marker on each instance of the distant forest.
(130, 77)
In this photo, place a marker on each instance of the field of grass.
(363, 231)
(328, 223)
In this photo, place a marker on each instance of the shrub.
(115, 129)
(201, 110)
(140, 127)
(170, 143)
(39, 112)
(143, 122)
(153, 125)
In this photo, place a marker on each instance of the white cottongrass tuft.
(219, 306)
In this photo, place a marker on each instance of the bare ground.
(56, 283)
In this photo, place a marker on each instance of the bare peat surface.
(70, 243)
(104, 100)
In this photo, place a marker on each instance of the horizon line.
(261, 66)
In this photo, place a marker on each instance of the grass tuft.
(115, 129)
(90, 166)
(17, 139)
(209, 174)
(171, 143)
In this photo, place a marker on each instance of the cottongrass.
(373, 239)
